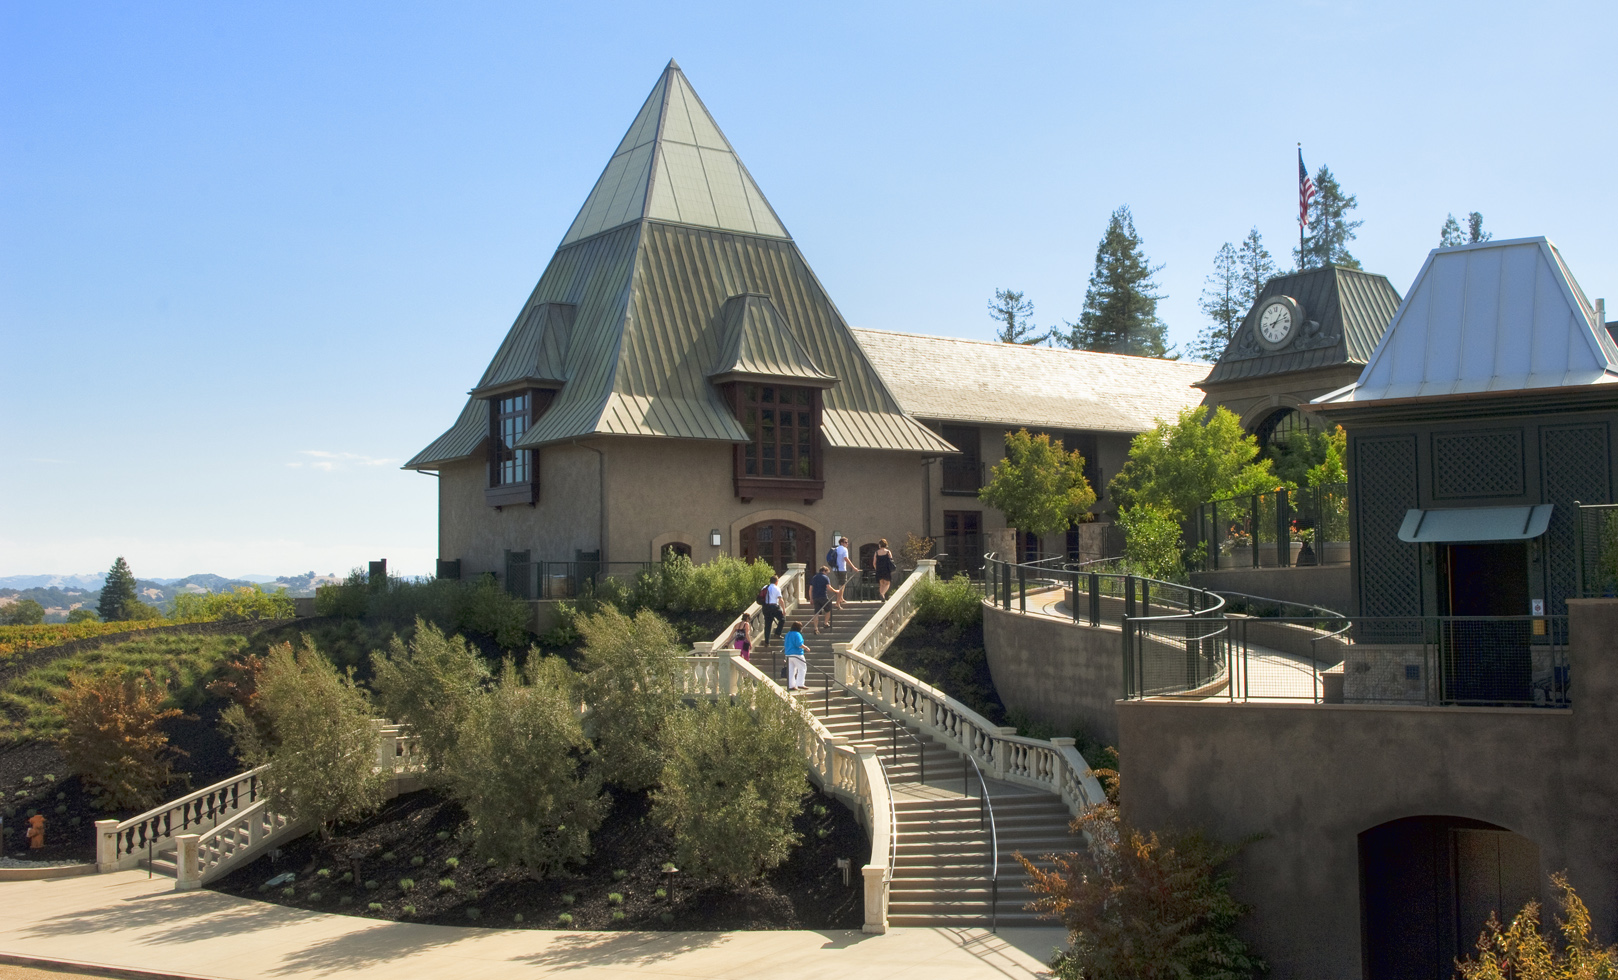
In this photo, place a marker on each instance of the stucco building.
(679, 379)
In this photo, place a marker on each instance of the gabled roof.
(631, 318)
(1491, 317)
(1347, 312)
(757, 343)
(675, 165)
(955, 380)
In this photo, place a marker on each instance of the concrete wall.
(1330, 586)
(1313, 777)
(660, 491)
(1056, 672)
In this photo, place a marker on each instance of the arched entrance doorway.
(1427, 886)
(780, 543)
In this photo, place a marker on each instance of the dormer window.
(513, 472)
(781, 457)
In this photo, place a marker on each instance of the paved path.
(125, 921)
(1266, 674)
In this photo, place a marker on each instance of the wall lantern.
(713, 537)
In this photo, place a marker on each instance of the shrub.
(113, 739)
(517, 771)
(429, 684)
(914, 550)
(446, 884)
(452, 863)
(615, 898)
(1151, 541)
(375, 906)
(955, 601)
(245, 603)
(347, 600)
(23, 612)
(1137, 905)
(633, 684)
(407, 884)
(565, 920)
(724, 584)
(82, 615)
(484, 607)
(1523, 950)
(321, 744)
(732, 784)
(479, 605)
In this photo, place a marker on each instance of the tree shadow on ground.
(572, 950)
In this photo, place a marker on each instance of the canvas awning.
(1458, 525)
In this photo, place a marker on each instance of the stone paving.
(127, 922)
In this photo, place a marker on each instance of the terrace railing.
(1595, 550)
(568, 579)
(121, 845)
(1303, 527)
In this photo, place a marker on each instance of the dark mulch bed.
(952, 659)
(806, 892)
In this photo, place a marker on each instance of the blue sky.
(253, 255)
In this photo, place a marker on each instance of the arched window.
(676, 548)
(868, 557)
(1280, 426)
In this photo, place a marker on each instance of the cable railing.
(1094, 597)
(986, 816)
(1284, 528)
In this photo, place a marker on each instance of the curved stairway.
(943, 875)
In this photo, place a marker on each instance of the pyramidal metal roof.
(674, 164)
(633, 323)
(1496, 316)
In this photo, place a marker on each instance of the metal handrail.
(921, 747)
(994, 840)
(1320, 612)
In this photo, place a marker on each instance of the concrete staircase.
(943, 875)
(164, 859)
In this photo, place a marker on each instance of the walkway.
(126, 921)
(1267, 675)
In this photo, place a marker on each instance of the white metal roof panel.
(1496, 316)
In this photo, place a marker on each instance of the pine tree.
(1474, 229)
(1120, 305)
(1015, 315)
(1256, 266)
(1450, 235)
(1329, 227)
(118, 597)
(1222, 304)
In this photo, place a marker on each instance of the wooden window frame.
(498, 493)
(750, 485)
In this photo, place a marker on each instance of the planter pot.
(1239, 556)
(1334, 553)
(1266, 554)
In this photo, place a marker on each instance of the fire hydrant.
(36, 831)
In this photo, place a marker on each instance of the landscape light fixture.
(713, 537)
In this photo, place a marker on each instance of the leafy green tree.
(518, 771)
(321, 745)
(1330, 469)
(1039, 485)
(1221, 303)
(1016, 318)
(1152, 541)
(1255, 266)
(1120, 305)
(1199, 457)
(431, 684)
(633, 682)
(1451, 235)
(245, 603)
(1329, 231)
(733, 783)
(23, 612)
(118, 594)
(1141, 905)
(1474, 229)
(82, 615)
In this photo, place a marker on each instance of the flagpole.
(1300, 223)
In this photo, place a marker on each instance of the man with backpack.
(769, 598)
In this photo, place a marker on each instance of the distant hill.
(60, 594)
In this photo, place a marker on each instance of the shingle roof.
(1349, 310)
(1496, 316)
(955, 380)
(633, 320)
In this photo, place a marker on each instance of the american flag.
(1306, 192)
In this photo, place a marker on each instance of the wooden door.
(779, 543)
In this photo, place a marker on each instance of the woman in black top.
(884, 569)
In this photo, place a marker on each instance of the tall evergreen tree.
(1474, 229)
(1329, 231)
(1120, 305)
(118, 598)
(1256, 265)
(1221, 303)
(1451, 235)
(1016, 318)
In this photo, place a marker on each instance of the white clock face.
(1275, 323)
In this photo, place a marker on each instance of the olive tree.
(431, 684)
(633, 684)
(517, 769)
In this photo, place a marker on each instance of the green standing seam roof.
(652, 298)
(1352, 309)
